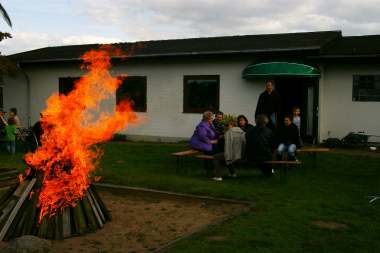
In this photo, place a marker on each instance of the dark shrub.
(353, 140)
(332, 142)
(119, 137)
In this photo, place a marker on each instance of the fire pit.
(20, 214)
(54, 198)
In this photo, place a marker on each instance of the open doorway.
(301, 92)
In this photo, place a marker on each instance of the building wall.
(15, 95)
(164, 116)
(339, 115)
(164, 119)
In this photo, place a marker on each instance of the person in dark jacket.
(287, 138)
(37, 132)
(243, 123)
(269, 103)
(259, 144)
(218, 123)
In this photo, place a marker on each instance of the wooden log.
(12, 230)
(95, 210)
(105, 211)
(21, 200)
(13, 182)
(8, 178)
(6, 195)
(43, 227)
(73, 227)
(58, 235)
(13, 196)
(90, 217)
(10, 203)
(79, 219)
(95, 202)
(66, 223)
(7, 169)
(50, 228)
(21, 221)
(13, 173)
(31, 216)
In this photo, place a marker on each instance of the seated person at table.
(204, 135)
(233, 150)
(287, 138)
(243, 123)
(259, 144)
(218, 123)
(218, 126)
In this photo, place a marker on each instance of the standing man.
(3, 124)
(269, 103)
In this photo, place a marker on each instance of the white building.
(334, 79)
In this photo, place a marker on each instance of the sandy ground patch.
(142, 224)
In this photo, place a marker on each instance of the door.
(310, 119)
(303, 93)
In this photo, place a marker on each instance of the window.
(66, 84)
(366, 88)
(133, 88)
(200, 93)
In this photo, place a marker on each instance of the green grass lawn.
(284, 214)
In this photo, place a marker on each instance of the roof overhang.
(273, 69)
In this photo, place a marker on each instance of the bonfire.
(54, 198)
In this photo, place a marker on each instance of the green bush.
(332, 142)
(119, 137)
(354, 140)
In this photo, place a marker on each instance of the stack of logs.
(19, 212)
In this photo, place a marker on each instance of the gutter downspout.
(27, 94)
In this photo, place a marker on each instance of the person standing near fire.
(269, 104)
(10, 136)
(3, 124)
(13, 114)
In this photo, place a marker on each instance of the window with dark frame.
(366, 88)
(66, 84)
(201, 93)
(133, 88)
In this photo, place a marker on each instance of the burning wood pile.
(54, 198)
(20, 214)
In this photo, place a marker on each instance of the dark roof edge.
(345, 56)
(185, 54)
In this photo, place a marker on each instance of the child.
(10, 136)
(297, 121)
(288, 139)
(296, 117)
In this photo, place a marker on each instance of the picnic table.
(313, 151)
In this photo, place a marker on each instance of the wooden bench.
(180, 156)
(283, 166)
(206, 160)
(313, 151)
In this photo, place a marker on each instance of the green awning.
(271, 69)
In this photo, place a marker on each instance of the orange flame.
(67, 155)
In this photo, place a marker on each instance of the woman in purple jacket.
(204, 135)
